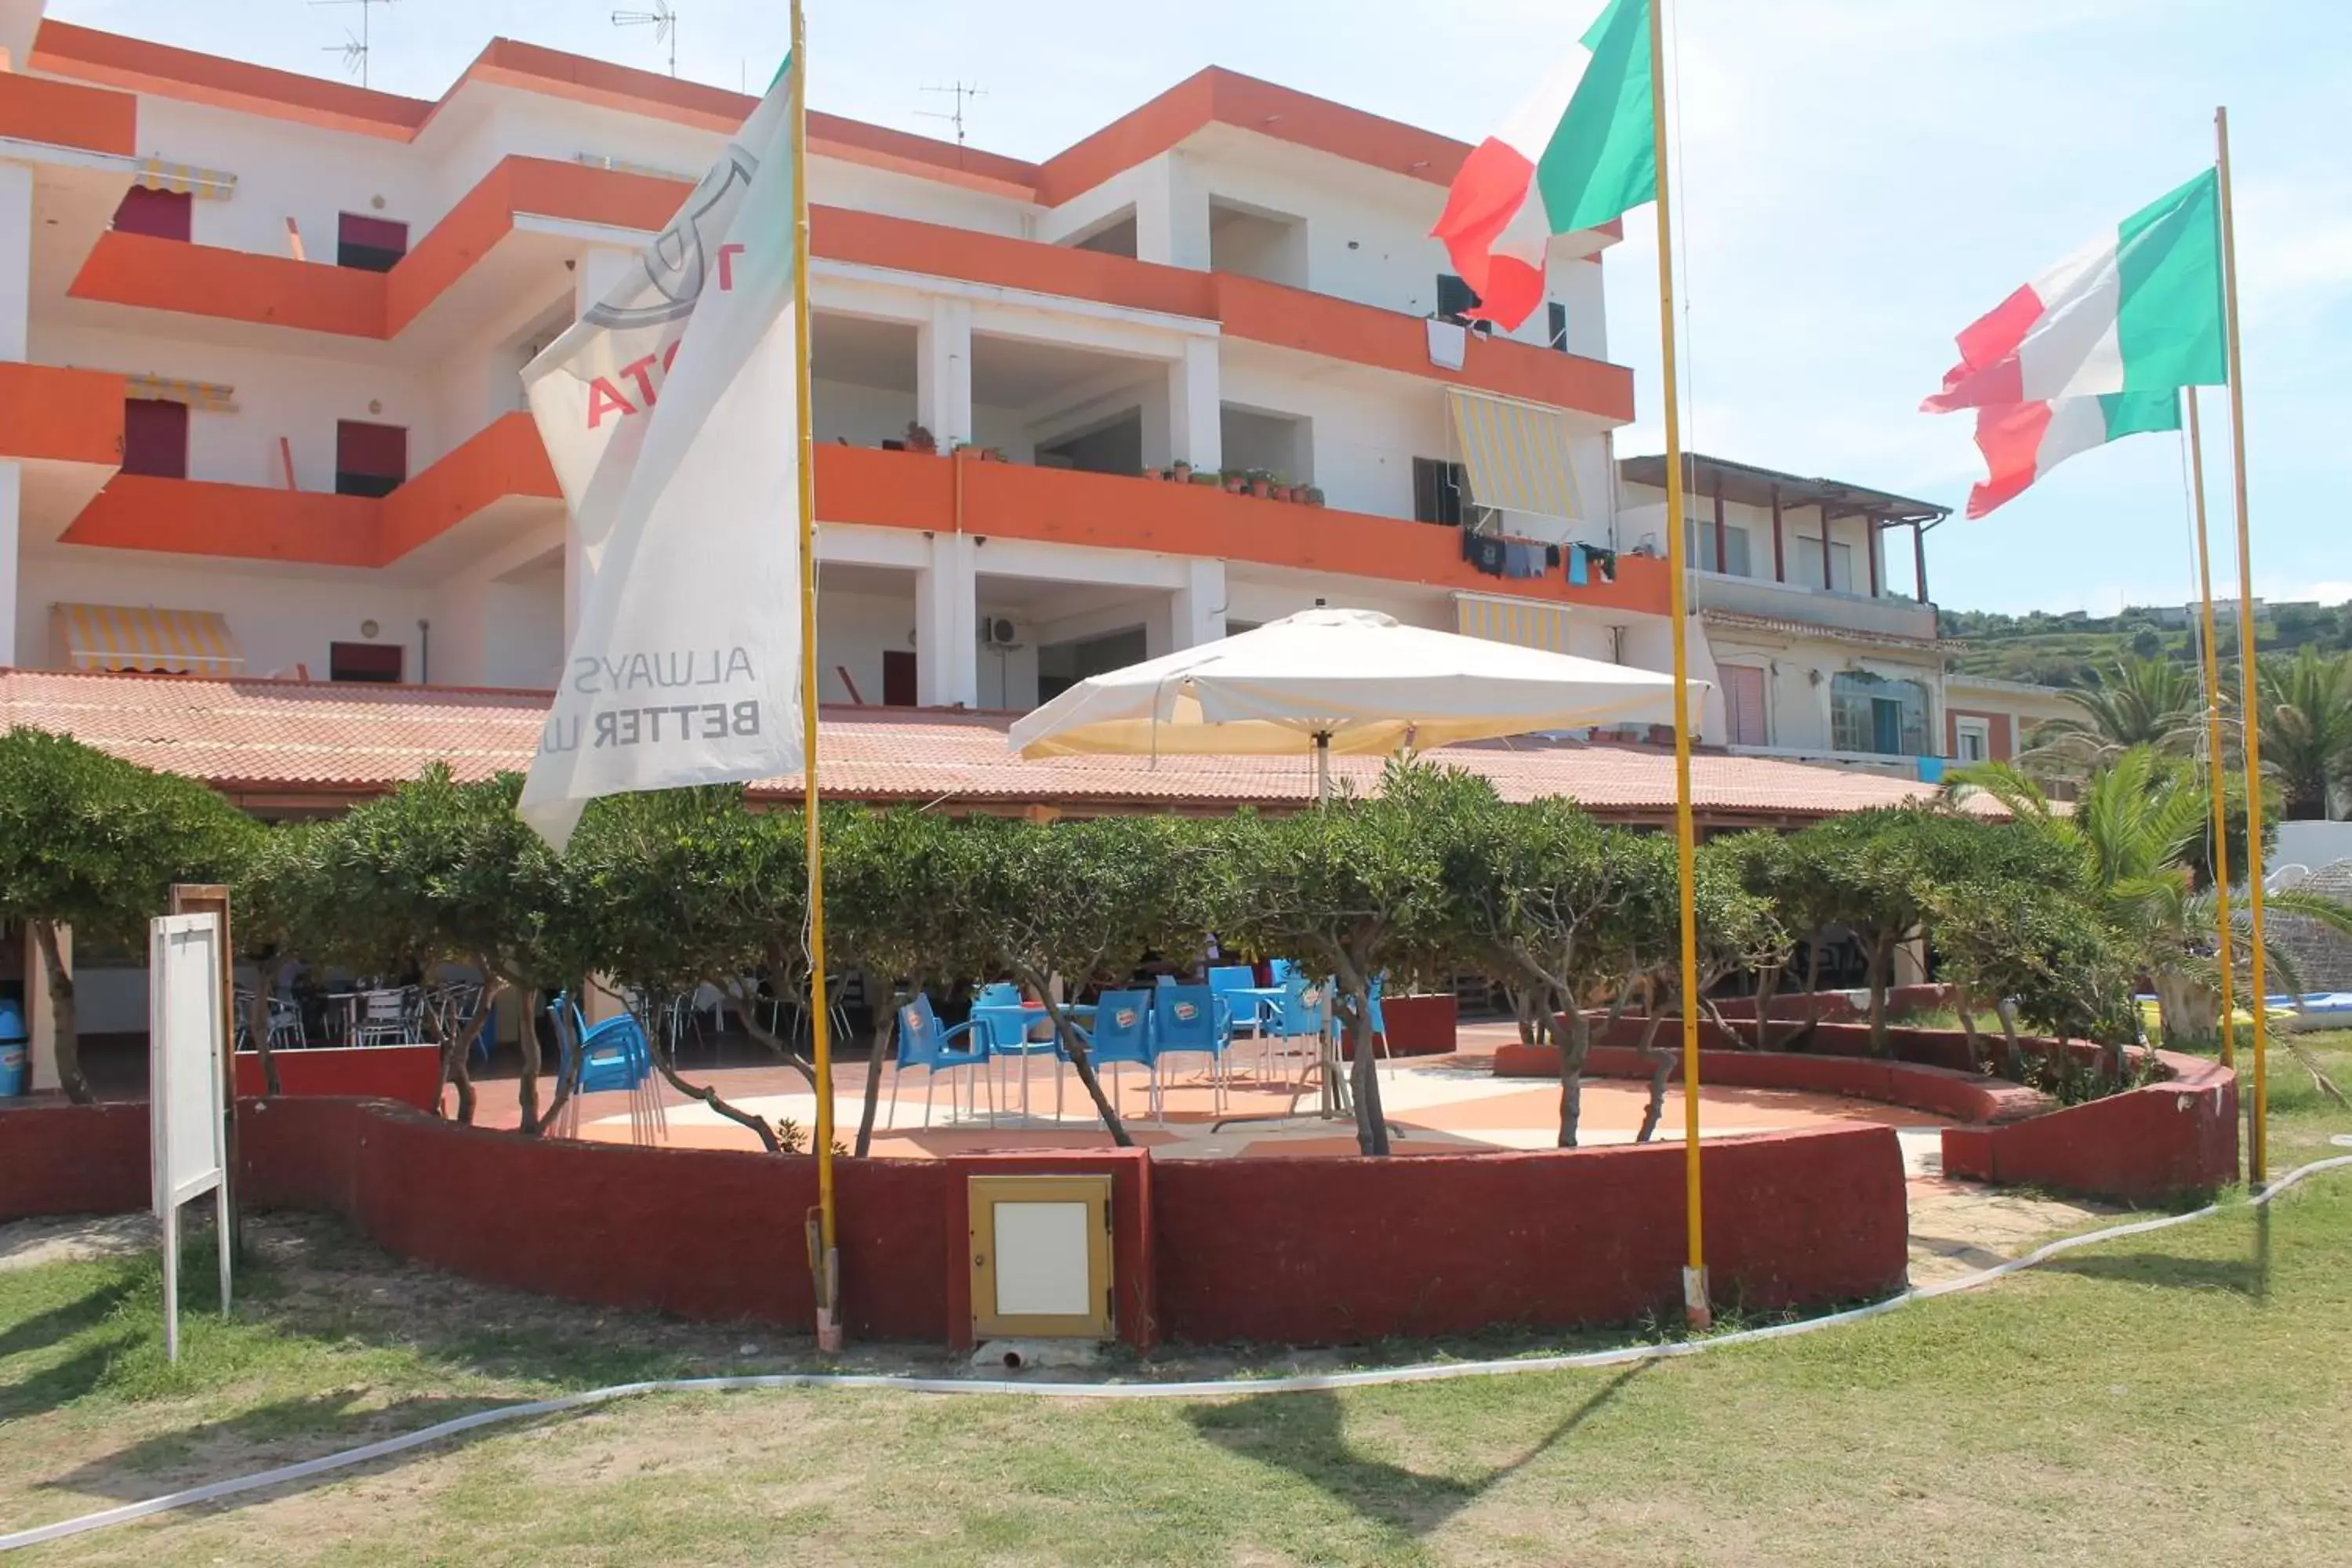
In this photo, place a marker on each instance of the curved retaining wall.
(2162, 1142)
(1317, 1251)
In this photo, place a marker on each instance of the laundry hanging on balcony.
(137, 637)
(1517, 454)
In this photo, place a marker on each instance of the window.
(1699, 541)
(369, 662)
(1456, 300)
(370, 459)
(369, 244)
(898, 678)
(165, 214)
(155, 438)
(1971, 740)
(1438, 488)
(1556, 326)
(1871, 714)
(1743, 704)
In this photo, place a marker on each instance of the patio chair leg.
(931, 1088)
(894, 1092)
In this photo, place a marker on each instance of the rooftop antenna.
(662, 19)
(961, 89)
(354, 49)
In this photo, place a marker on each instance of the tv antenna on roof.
(662, 19)
(354, 49)
(962, 90)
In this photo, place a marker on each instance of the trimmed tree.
(1351, 888)
(440, 872)
(1081, 902)
(288, 909)
(92, 843)
(893, 886)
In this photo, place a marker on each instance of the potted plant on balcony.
(1280, 489)
(1235, 481)
(1204, 476)
(1312, 495)
(1181, 472)
(919, 439)
(1261, 483)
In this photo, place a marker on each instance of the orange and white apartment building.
(260, 412)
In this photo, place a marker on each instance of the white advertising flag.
(668, 412)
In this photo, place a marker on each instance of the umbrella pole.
(1322, 766)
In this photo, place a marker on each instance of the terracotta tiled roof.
(292, 741)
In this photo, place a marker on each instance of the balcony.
(475, 496)
(1804, 606)
(902, 489)
(68, 115)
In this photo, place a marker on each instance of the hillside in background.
(2059, 650)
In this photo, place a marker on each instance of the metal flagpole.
(1694, 1291)
(2215, 765)
(2249, 702)
(825, 1258)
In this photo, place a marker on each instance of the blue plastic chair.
(1280, 971)
(1190, 1019)
(613, 1055)
(925, 1043)
(1008, 1029)
(1119, 1033)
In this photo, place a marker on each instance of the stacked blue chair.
(925, 1043)
(613, 1055)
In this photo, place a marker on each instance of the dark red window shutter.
(166, 215)
(155, 438)
(370, 244)
(363, 661)
(370, 459)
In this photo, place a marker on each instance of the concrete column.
(947, 624)
(12, 491)
(40, 1012)
(943, 373)
(15, 258)
(1196, 611)
(1196, 407)
(1172, 214)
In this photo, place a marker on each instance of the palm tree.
(2306, 728)
(2140, 822)
(2151, 702)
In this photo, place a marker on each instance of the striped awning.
(1523, 623)
(1517, 454)
(124, 636)
(211, 184)
(206, 396)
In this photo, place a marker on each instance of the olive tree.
(92, 843)
(1083, 902)
(1351, 888)
(443, 872)
(682, 889)
(290, 908)
(894, 890)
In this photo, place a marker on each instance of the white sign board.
(186, 1105)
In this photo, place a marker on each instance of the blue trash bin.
(15, 1050)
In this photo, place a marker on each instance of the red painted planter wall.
(1312, 1251)
(73, 1159)
(2148, 1145)
(1349, 1249)
(409, 1074)
(1964, 1096)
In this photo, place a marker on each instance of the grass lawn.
(2180, 1397)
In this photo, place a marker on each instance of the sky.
(1855, 182)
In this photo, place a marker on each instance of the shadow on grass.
(1304, 1434)
(2249, 1276)
(284, 1432)
(66, 1320)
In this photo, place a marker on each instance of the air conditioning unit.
(997, 632)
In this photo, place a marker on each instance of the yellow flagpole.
(2249, 701)
(823, 1254)
(1694, 1291)
(2216, 767)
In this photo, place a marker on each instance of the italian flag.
(1574, 156)
(2096, 348)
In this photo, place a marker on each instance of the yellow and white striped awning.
(123, 637)
(1517, 454)
(210, 185)
(622, 166)
(204, 397)
(1523, 623)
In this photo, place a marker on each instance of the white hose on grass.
(1438, 1372)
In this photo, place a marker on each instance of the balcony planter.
(1235, 481)
(1181, 472)
(1261, 483)
(1312, 496)
(921, 440)
(1203, 476)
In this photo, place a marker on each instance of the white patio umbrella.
(1353, 682)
